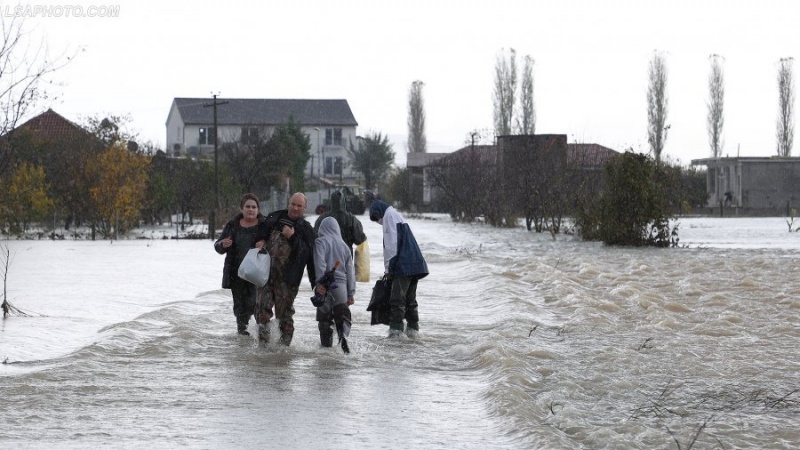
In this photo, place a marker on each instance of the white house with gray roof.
(330, 125)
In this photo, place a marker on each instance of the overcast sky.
(590, 74)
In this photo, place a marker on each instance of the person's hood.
(377, 210)
(329, 227)
(338, 202)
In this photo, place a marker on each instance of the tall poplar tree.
(526, 122)
(505, 88)
(716, 102)
(417, 142)
(657, 105)
(785, 123)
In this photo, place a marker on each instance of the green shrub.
(633, 207)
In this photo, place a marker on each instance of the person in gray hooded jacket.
(328, 249)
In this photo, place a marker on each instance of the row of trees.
(72, 180)
(103, 179)
(508, 119)
(543, 181)
(657, 106)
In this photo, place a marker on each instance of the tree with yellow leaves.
(25, 200)
(120, 189)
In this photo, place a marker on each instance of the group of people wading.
(295, 247)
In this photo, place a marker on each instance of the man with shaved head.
(290, 241)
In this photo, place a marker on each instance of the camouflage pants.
(279, 296)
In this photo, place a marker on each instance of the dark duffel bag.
(379, 303)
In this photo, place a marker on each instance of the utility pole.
(212, 221)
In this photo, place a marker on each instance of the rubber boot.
(287, 330)
(263, 332)
(241, 325)
(325, 334)
(394, 333)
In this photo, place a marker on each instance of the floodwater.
(526, 342)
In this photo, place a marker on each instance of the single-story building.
(755, 184)
(587, 157)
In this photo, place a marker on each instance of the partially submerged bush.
(632, 208)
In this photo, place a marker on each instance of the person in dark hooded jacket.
(403, 264)
(352, 230)
(238, 236)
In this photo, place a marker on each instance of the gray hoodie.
(330, 247)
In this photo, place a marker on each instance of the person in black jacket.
(352, 230)
(289, 239)
(238, 236)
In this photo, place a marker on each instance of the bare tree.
(657, 105)
(480, 136)
(5, 260)
(23, 66)
(716, 102)
(526, 123)
(785, 124)
(417, 142)
(5, 263)
(505, 88)
(467, 180)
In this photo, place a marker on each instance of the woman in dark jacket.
(237, 238)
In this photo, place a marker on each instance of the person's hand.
(260, 244)
(287, 231)
(350, 301)
(227, 242)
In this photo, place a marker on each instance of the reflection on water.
(526, 342)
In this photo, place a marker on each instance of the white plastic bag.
(255, 267)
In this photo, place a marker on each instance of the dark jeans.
(403, 303)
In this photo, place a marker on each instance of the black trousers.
(403, 303)
(244, 299)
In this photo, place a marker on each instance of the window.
(207, 136)
(333, 136)
(337, 165)
(249, 135)
(333, 165)
(180, 137)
